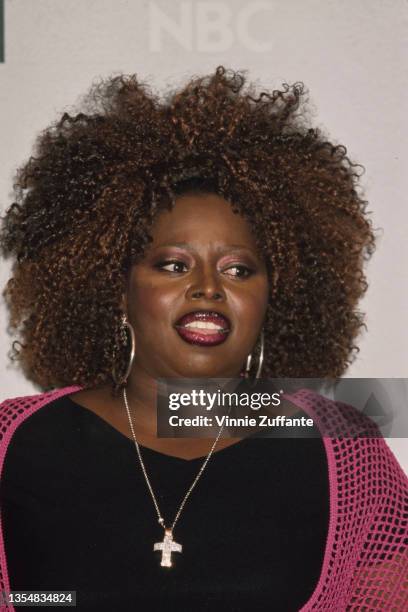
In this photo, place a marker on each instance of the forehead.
(202, 218)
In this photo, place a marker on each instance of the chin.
(208, 372)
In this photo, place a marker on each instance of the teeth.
(203, 325)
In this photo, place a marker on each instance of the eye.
(238, 271)
(174, 266)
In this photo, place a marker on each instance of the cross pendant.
(167, 547)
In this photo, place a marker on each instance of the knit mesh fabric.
(365, 563)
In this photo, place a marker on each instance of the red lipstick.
(204, 328)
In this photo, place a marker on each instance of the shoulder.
(15, 411)
(356, 448)
(333, 418)
(27, 404)
(33, 429)
(22, 403)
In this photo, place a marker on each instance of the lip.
(216, 332)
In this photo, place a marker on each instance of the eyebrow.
(188, 247)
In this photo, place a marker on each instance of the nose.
(206, 285)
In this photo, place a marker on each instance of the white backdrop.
(351, 55)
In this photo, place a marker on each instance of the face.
(198, 298)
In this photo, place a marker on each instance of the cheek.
(148, 305)
(254, 300)
(250, 309)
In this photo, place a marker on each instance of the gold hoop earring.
(249, 359)
(126, 327)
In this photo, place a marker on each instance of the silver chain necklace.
(168, 545)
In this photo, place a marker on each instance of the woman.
(174, 239)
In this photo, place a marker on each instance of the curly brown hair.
(86, 199)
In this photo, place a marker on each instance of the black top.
(77, 515)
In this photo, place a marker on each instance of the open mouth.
(204, 327)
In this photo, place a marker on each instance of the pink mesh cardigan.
(365, 564)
